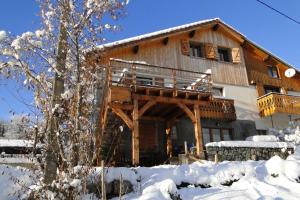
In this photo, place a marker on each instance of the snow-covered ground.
(14, 182)
(272, 179)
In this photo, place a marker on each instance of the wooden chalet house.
(200, 82)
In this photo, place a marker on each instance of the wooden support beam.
(192, 33)
(135, 49)
(123, 116)
(215, 27)
(187, 111)
(165, 40)
(148, 105)
(169, 139)
(169, 100)
(175, 93)
(161, 93)
(187, 95)
(198, 131)
(121, 106)
(135, 134)
(270, 60)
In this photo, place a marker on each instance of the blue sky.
(260, 24)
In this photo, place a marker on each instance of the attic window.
(224, 54)
(196, 50)
(273, 72)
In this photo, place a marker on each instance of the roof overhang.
(215, 24)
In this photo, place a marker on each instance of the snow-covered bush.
(289, 134)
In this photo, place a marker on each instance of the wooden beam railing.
(139, 74)
(272, 103)
(222, 109)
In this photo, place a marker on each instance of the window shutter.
(236, 56)
(185, 47)
(210, 51)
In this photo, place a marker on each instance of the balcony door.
(269, 89)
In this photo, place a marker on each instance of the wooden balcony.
(129, 80)
(139, 76)
(138, 91)
(272, 103)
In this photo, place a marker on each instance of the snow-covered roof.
(182, 28)
(251, 144)
(263, 138)
(15, 143)
(156, 33)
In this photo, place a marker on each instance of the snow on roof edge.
(184, 26)
(155, 33)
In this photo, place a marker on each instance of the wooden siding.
(257, 69)
(170, 55)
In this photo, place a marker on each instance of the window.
(269, 89)
(226, 134)
(273, 72)
(224, 54)
(216, 134)
(206, 135)
(196, 50)
(261, 132)
(143, 80)
(217, 91)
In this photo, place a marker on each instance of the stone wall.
(246, 153)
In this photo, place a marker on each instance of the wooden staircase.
(111, 140)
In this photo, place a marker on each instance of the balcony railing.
(138, 74)
(219, 109)
(272, 103)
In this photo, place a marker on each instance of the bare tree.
(51, 61)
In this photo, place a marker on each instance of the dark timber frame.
(133, 88)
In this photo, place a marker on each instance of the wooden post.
(174, 83)
(103, 189)
(169, 141)
(186, 151)
(135, 134)
(198, 131)
(134, 82)
(120, 188)
(216, 158)
(109, 74)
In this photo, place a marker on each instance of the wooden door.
(148, 140)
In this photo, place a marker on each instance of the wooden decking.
(272, 103)
(136, 92)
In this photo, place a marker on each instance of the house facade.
(200, 82)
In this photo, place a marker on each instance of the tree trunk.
(76, 137)
(51, 158)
